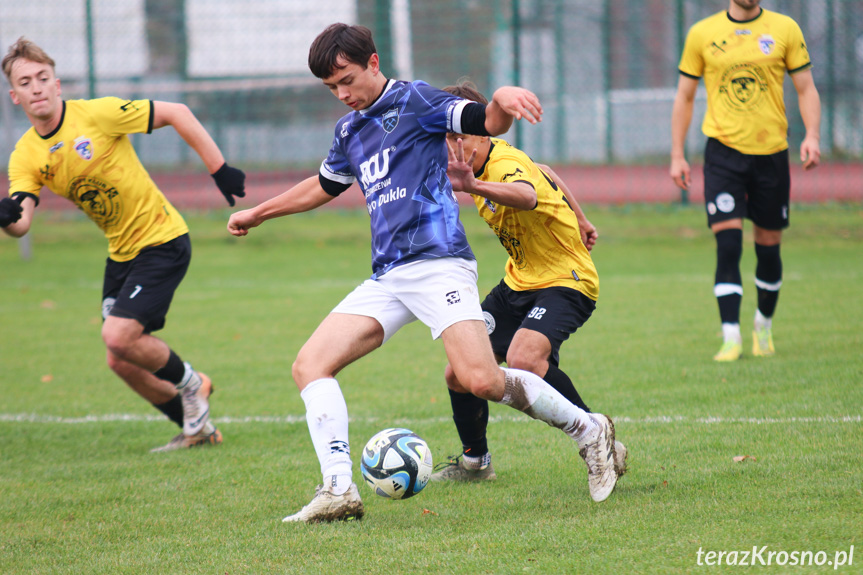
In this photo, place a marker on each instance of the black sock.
(470, 414)
(727, 284)
(172, 371)
(768, 278)
(173, 408)
(561, 382)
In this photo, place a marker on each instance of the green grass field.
(80, 493)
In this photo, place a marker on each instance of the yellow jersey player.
(743, 54)
(79, 149)
(549, 290)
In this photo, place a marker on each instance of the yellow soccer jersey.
(743, 65)
(89, 160)
(544, 244)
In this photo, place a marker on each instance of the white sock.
(190, 376)
(529, 393)
(476, 463)
(327, 417)
(338, 484)
(731, 332)
(761, 321)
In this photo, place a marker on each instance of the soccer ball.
(396, 463)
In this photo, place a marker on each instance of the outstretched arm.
(508, 103)
(305, 196)
(681, 117)
(810, 110)
(589, 233)
(231, 181)
(16, 215)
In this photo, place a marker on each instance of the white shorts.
(438, 292)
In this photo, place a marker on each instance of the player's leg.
(724, 196)
(768, 281)
(768, 208)
(366, 318)
(470, 413)
(136, 298)
(469, 353)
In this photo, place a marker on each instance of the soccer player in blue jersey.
(393, 144)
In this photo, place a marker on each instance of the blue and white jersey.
(396, 150)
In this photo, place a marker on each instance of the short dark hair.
(353, 43)
(467, 90)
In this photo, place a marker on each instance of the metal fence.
(606, 71)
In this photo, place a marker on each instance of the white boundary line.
(297, 419)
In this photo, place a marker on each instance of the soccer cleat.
(620, 453)
(730, 351)
(196, 407)
(455, 470)
(209, 435)
(762, 342)
(326, 507)
(598, 454)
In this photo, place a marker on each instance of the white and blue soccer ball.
(396, 463)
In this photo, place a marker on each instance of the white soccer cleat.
(620, 453)
(598, 452)
(326, 507)
(196, 407)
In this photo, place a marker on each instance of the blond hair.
(24, 49)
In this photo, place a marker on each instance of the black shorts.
(142, 288)
(555, 312)
(739, 185)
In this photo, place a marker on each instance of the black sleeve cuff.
(152, 117)
(23, 195)
(473, 120)
(332, 188)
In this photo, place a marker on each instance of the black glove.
(231, 182)
(10, 211)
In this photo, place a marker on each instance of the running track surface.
(604, 185)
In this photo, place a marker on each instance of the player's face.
(470, 143)
(35, 88)
(354, 85)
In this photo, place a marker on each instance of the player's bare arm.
(681, 117)
(508, 103)
(461, 174)
(181, 118)
(588, 231)
(305, 196)
(810, 111)
(230, 181)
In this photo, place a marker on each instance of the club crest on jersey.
(766, 43)
(84, 147)
(490, 205)
(390, 120)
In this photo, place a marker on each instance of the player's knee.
(524, 360)
(482, 383)
(117, 342)
(305, 369)
(452, 381)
